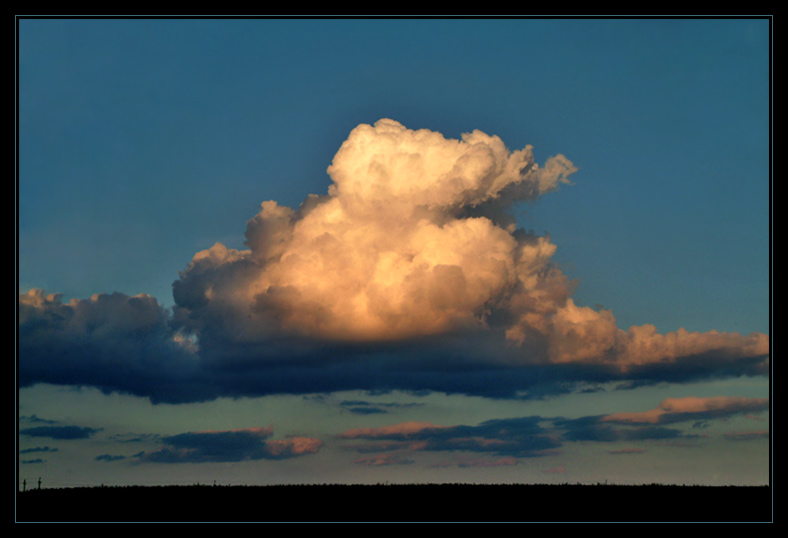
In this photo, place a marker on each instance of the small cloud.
(38, 449)
(367, 410)
(382, 459)
(60, 432)
(477, 463)
(556, 470)
(35, 419)
(520, 437)
(363, 407)
(595, 429)
(747, 436)
(691, 408)
(228, 446)
(134, 437)
(291, 447)
(109, 457)
(395, 431)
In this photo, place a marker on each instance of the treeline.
(399, 503)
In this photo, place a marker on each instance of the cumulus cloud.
(400, 247)
(114, 342)
(413, 240)
(409, 272)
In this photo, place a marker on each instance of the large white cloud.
(390, 252)
(412, 242)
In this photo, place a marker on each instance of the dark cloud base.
(59, 432)
(129, 345)
(176, 378)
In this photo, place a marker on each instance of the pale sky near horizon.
(404, 324)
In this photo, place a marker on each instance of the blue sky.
(145, 141)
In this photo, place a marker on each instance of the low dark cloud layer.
(229, 446)
(520, 437)
(110, 457)
(505, 441)
(149, 359)
(60, 432)
(38, 449)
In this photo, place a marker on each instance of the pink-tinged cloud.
(403, 430)
(230, 445)
(478, 463)
(691, 408)
(556, 470)
(516, 437)
(583, 335)
(379, 460)
(293, 446)
(747, 436)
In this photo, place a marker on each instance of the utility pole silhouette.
(39, 482)
(24, 484)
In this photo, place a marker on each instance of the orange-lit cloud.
(413, 244)
(378, 460)
(230, 445)
(675, 409)
(403, 430)
(510, 438)
(392, 251)
(478, 463)
(413, 239)
(747, 436)
(556, 470)
(292, 446)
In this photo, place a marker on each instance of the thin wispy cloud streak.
(409, 273)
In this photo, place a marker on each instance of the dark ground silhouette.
(398, 503)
